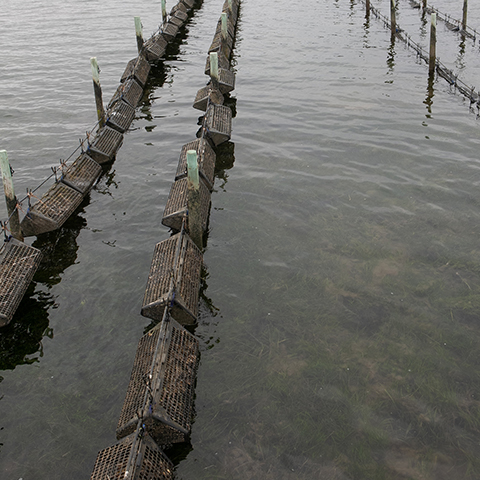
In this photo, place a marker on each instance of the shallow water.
(339, 320)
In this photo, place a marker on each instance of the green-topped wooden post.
(139, 33)
(224, 26)
(10, 198)
(433, 44)
(214, 66)
(393, 18)
(464, 18)
(98, 91)
(164, 11)
(194, 209)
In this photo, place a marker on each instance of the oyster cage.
(155, 47)
(176, 265)
(105, 145)
(120, 115)
(218, 123)
(206, 95)
(18, 264)
(136, 457)
(52, 210)
(206, 161)
(82, 174)
(138, 68)
(130, 91)
(226, 80)
(177, 205)
(162, 385)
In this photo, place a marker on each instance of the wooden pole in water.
(139, 33)
(193, 187)
(164, 11)
(433, 44)
(230, 5)
(98, 91)
(10, 198)
(393, 19)
(424, 4)
(464, 19)
(224, 26)
(368, 6)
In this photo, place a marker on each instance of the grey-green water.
(339, 321)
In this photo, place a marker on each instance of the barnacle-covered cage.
(205, 158)
(217, 123)
(52, 210)
(130, 91)
(137, 68)
(162, 384)
(18, 264)
(155, 47)
(135, 457)
(82, 173)
(105, 145)
(174, 280)
(120, 115)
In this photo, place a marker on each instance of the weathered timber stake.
(164, 11)
(424, 4)
(139, 33)
(230, 5)
(393, 21)
(214, 67)
(10, 198)
(433, 44)
(368, 6)
(464, 18)
(193, 186)
(97, 89)
(224, 26)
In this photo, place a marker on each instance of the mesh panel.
(105, 145)
(135, 397)
(112, 462)
(120, 116)
(139, 68)
(218, 123)
(155, 47)
(155, 466)
(82, 174)
(18, 264)
(179, 380)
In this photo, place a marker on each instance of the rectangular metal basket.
(155, 47)
(170, 31)
(162, 385)
(206, 95)
(218, 123)
(130, 91)
(120, 115)
(137, 68)
(136, 457)
(52, 210)
(18, 264)
(174, 280)
(205, 158)
(177, 205)
(105, 145)
(82, 174)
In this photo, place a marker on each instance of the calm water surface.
(339, 322)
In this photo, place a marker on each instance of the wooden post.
(224, 26)
(193, 185)
(214, 66)
(424, 4)
(139, 33)
(10, 198)
(368, 7)
(393, 19)
(433, 44)
(464, 19)
(230, 5)
(98, 91)
(164, 11)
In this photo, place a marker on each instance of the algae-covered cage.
(217, 123)
(136, 457)
(176, 266)
(162, 384)
(82, 173)
(18, 264)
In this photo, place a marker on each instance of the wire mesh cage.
(161, 390)
(130, 91)
(176, 267)
(138, 68)
(82, 173)
(18, 264)
(180, 14)
(235, 5)
(120, 115)
(52, 210)
(205, 158)
(105, 145)
(170, 30)
(226, 80)
(206, 95)
(155, 47)
(217, 123)
(136, 457)
(219, 44)
(176, 207)
(177, 21)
